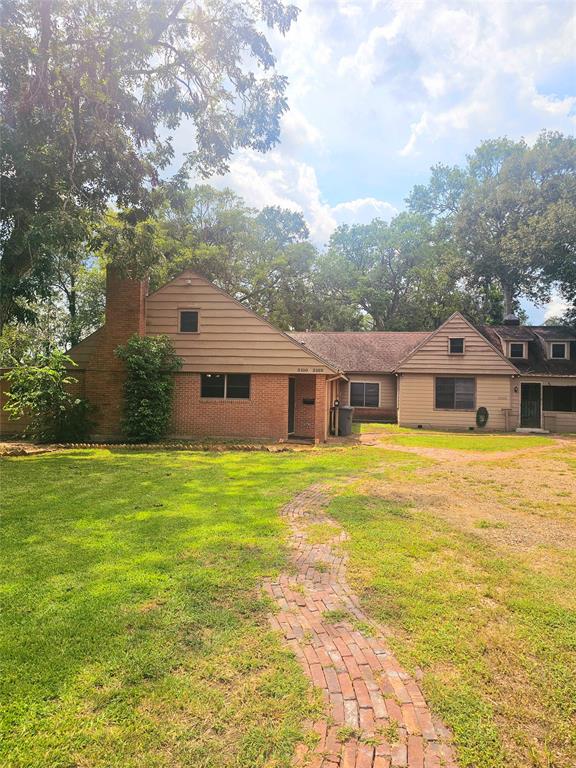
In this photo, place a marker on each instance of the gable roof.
(231, 336)
(461, 324)
(537, 336)
(362, 351)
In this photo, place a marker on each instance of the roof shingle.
(362, 351)
(537, 361)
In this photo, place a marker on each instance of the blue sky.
(380, 90)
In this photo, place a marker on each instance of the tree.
(90, 92)
(510, 214)
(262, 258)
(393, 277)
(43, 394)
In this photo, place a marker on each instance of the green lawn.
(472, 441)
(472, 567)
(133, 631)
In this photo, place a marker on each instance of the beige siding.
(554, 421)
(230, 337)
(479, 355)
(416, 403)
(387, 383)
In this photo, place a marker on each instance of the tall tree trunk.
(508, 291)
(74, 336)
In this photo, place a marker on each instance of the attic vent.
(511, 320)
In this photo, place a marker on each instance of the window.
(364, 395)
(559, 399)
(558, 351)
(456, 346)
(213, 385)
(517, 349)
(233, 386)
(238, 386)
(188, 321)
(455, 394)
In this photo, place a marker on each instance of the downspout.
(336, 414)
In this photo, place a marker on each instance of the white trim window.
(559, 350)
(365, 394)
(517, 350)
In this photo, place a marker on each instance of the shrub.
(150, 364)
(41, 393)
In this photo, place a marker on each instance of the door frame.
(291, 404)
(531, 384)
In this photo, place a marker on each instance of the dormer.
(515, 340)
(556, 342)
(558, 350)
(517, 350)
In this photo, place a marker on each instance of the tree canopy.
(397, 276)
(90, 92)
(510, 213)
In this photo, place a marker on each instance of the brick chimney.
(125, 316)
(125, 313)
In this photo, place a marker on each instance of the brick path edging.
(376, 715)
(33, 449)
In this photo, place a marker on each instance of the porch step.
(532, 431)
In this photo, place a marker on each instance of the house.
(241, 377)
(524, 376)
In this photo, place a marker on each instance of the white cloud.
(363, 210)
(452, 65)
(364, 62)
(297, 130)
(380, 90)
(273, 179)
(556, 307)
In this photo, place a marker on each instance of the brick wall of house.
(263, 415)
(321, 407)
(8, 426)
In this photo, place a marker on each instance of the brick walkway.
(376, 714)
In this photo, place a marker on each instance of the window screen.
(238, 385)
(516, 350)
(559, 399)
(456, 394)
(364, 394)
(213, 385)
(559, 351)
(235, 386)
(456, 346)
(188, 321)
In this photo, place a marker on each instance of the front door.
(291, 404)
(530, 406)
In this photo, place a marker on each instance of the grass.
(471, 565)
(320, 533)
(472, 441)
(134, 634)
(133, 629)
